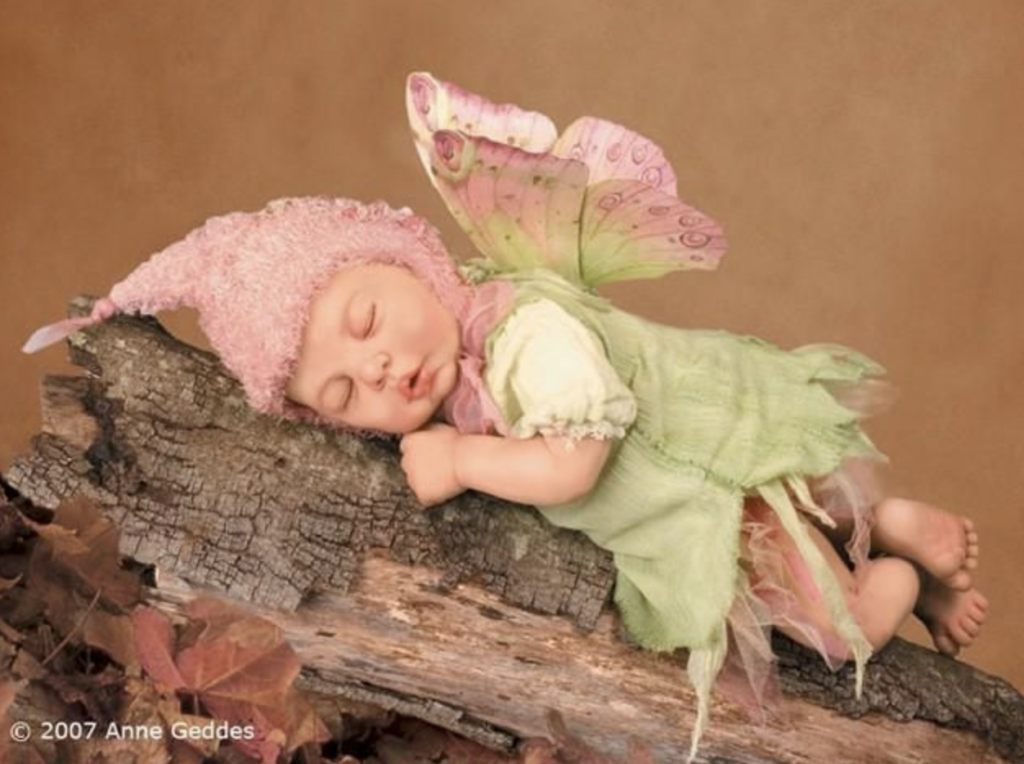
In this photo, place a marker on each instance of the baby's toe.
(971, 563)
(946, 645)
(970, 626)
(976, 620)
(961, 581)
(960, 634)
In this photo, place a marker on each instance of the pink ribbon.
(469, 407)
(44, 337)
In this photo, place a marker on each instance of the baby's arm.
(547, 372)
(542, 470)
(439, 463)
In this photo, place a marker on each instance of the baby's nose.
(375, 370)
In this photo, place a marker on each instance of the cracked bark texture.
(289, 517)
(267, 510)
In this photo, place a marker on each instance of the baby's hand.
(428, 458)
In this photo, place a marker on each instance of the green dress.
(701, 420)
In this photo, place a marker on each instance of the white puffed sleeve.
(549, 374)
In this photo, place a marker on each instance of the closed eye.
(371, 318)
(338, 395)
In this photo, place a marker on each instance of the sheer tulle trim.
(779, 590)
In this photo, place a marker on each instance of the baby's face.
(379, 351)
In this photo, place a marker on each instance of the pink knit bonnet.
(252, 277)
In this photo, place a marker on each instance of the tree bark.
(476, 615)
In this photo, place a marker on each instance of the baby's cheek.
(418, 333)
(395, 416)
(425, 409)
(425, 326)
(444, 383)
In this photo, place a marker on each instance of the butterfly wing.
(433, 105)
(632, 231)
(523, 197)
(521, 209)
(614, 152)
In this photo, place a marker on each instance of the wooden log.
(270, 511)
(477, 615)
(481, 666)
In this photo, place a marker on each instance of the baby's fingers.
(410, 440)
(407, 468)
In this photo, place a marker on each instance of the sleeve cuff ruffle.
(572, 431)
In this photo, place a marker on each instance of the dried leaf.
(141, 750)
(207, 745)
(91, 693)
(85, 554)
(229, 671)
(154, 642)
(149, 706)
(114, 635)
(8, 692)
(146, 703)
(27, 667)
(281, 721)
(23, 610)
(241, 668)
(9, 583)
(310, 754)
(12, 528)
(59, 537)
(9, 633)
(29, 754)
(183, 753)
(233, 755)
(62, 606)
(295, 717)
(222, 619)
(70, 613)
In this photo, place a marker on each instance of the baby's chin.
(414, 422)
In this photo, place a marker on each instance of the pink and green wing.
(521, 209)
(632, 231)
(596, 205)
(433, 105)
(613, 152)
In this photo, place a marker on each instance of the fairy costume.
(703, 421)
(717, 437)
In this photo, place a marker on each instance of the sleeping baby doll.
(730, 479)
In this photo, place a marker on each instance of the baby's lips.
(423, 383)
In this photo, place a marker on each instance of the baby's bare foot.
(954, 618)
(944, 544)
(885, 597)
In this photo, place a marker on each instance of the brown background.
(866, 159)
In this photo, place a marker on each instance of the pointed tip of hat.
(51, 334)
